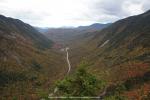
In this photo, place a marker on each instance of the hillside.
(119, 54)
(14, 26)
(28, 66)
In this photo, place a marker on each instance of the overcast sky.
(58, 13)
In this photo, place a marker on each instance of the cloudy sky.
(58, 13)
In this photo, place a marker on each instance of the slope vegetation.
(28, 66)
(120, 54)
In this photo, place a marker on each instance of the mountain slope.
(120, 54)
(15, 26)
(129, 38)
(27, 67)
(136, 27)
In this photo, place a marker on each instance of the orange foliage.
(139, 93)
(137, 69)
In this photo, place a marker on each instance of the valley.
(118, 54)
(109, 61)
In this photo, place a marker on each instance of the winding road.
(69, 68)
(68, 62)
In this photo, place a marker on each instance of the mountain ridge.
(16, 26)
(67, 34)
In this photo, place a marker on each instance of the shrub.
(81, 83)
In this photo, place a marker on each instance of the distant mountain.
(65, 34)
(94, 27)
(27, 62)
(42, 29)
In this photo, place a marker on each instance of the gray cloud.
(146, 5)
(54, 13)
(110, 7)
(112, 10)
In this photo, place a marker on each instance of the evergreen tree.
(81, 83)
